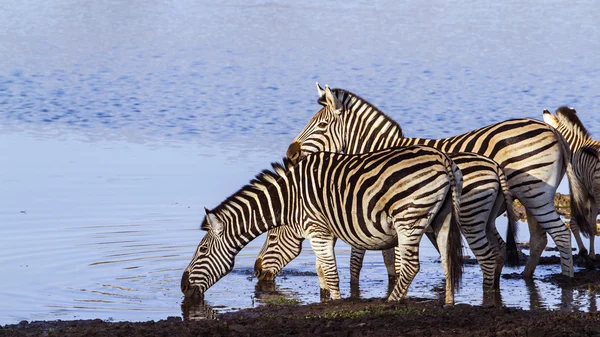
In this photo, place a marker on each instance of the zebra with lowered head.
(586, 171)
(533, 155)
(370, 201)
(484, 192)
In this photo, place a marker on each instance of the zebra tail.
(455, 244)
(512, 252)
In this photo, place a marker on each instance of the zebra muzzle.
(189, 290)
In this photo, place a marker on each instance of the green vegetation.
(279, 300)
(369, 311)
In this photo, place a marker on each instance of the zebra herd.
(352, 174)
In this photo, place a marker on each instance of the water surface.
(121, 120)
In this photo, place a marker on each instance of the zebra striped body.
(484, 193)
(586, 171)
(533, 155)
(371, 201)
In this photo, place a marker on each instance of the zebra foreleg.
(323, 246)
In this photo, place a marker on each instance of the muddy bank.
(350, 317)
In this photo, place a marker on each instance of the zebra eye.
(273, 237)
(322, 124)
(203, 249)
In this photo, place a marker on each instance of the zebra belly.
(379, 237)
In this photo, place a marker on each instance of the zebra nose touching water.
(375, 201)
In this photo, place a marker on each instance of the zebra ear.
(320, 91)
(549, 119)
(332, 101)
(216, 225)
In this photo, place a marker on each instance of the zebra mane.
(345, 95)
(260, 182)
(568, 118)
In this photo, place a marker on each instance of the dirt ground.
(349, 317)
(356, 317)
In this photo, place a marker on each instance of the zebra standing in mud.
(484, 192)
(371, 201)
(533, 155)
(586, 169)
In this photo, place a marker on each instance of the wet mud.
(349, 317)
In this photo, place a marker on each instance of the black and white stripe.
(484, 194)
(585, 185)
(533, 155)
(371, 201)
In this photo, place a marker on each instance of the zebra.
(484, 191)
(533, 155)
(586, 167)
(370, 201)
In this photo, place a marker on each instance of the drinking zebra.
(533, 155)
(586, 169)
(371, 201)
(484, 192)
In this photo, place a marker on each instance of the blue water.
(121, 120)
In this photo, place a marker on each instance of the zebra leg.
(537, 243)
(323, 290)
(485, 253)
(323, 245)
(356, 262)
(407, 253)
(389, 259)
(583, 252)
(496, 240)
(594, 216)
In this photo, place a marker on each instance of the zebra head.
(212, 260)
(324, 132)
(283, 244)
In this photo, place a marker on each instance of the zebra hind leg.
(409, 237)
(594, 216)
(496, 240)
(356, 261)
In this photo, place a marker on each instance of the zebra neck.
(371, 131)
(251, 212)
